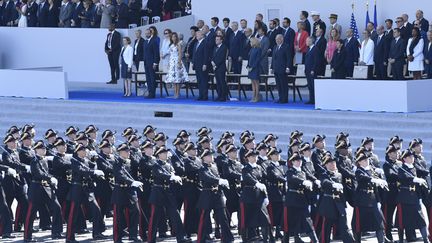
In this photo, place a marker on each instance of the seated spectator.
(122, 15)
(414, 52)
(300, 46)
(367, 53)
(338, 69)
(331, 44)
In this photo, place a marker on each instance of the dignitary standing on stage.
(414, 52)
(151, 61)
(281, 65)
(253, 68)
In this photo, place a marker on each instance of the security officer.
(5, 220)
(81, 192)
(162, 197)
(410, 215)
(253, 201)
(191, 188)
(332, 206)
(178, 162)
(91, 132)
(367, 214)
(105, 186)
(296, 214)
(124, 196)
(149, 132)
(232, 171)
(127, 132)
(62, 171)
(318, 154)
(41, 194)
(212, 198)
(15, 187)
(345, 167)
(248, 142)
(276, 186)
(71, 133)
(390, 167)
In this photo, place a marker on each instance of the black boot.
(313, 237)
(297, 239)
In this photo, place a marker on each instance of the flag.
(353, 26)
(375, 16)
(367, 17)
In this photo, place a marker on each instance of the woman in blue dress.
(254, 67)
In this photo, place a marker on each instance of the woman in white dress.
(22, 10)
(414, 53)
(177, 73)
(164, 50)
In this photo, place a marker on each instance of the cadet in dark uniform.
(6, 217)
(213, 199)
(91, 132)
(229, 137)
(367, 216)
(204, 142)
(162, 197)
(29, 128)
(26, 153)
(203, 131)
(232, 171)
(345, 167)
(62, 171)
(409, 214)
(129, 131)
(293, 147)
(345, 137)
(332, 206)
(81, 192)
(262, 150)
(248, 142)
(271, 140)
(50, 136)
(15, 187)
(318, 154)
(160, 139)
(390, 167)
(416, 147)
(104, 186)
(368, 144)
(41, 194)
(149, 132)
(296, 214)
(185, 135)
(296, 135)
(125, 196)
(221, 158)
(191, 188)
(178, 163)
(71, 133)
(253, 201)
(276, 187)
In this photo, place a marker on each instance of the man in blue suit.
(397, 55)
(43, 12)
(311, 60)
(219, 66)
(265, 50)
(428, 55)
(237, 42)
(320, 45)
(281, 65)
(289, 34)
(32, 14)
(352, 52)
(380, 54)
(10, 14)
(151, 62)
(200, 64)
(77, 9)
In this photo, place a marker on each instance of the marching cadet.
(203, 131)
(318, 154)
(14, 131)
(221, 158)
(129, 131)
(5, 219)
(149, 132)
(62, 171)
(91, 131)
(262, 150)
(332, 206)
(253, 201)
(124, 196)
(29, 128)
(343, 136)
(177, 161)
(232, 171)
(104, 186)
(397, 142)
(15, 187)
(50, 136)
(204, 142)
(346, 168)
(296, 135)
(409, 212)
(416, 146)
(229, 137)
(191, 188)
(82, 191)
(271, 140)
(110, 136)
(213, 199)
(276, 187)
(26, 154)
(388, 207)
(162, 197)
(160, 139)
(135, 155)
(248, 142)
(367, 216)
(71, 133)
(293, 147)
(185, 135)
(41, 194)
(296, 213)
(368, 144)
(145, 176)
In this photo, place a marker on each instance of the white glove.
(99, 173)
(224, 199)
(68, 156)
(175, 178)
(307, 184)
(376, 181)
(379, 171)
(136, 184)
(223, 182)
(25, 188)
(266, 202)
(93, 153)
(49, 158)
(260, 187)
(54, 181)
(419, 181)
(12, 172)
(318, 183)
(27, 167)
(337, 186)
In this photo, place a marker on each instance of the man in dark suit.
(318, 23)
(352, 52)
(397, 55)
(304, 17)
(402, 29)
(265, 50)
(151, 62)
(77, 9)
(123, 14)
(43, 12)
(112, 49)
(311, 60)
(154, 8)
(32, 14)
(289, 33)
(380, 54)
(428, 55)
(246, 47)
(237, 41)
(373, 33)
(407, 25)
(66, 14)
(200, 65)
(281, 66)
(219, 66)
(424, 24)
(228, 31)
(138, 49)
(271, 34)
(320, 46)
(10, 13)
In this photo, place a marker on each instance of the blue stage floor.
(118, 97)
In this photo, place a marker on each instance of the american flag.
(353, 26)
